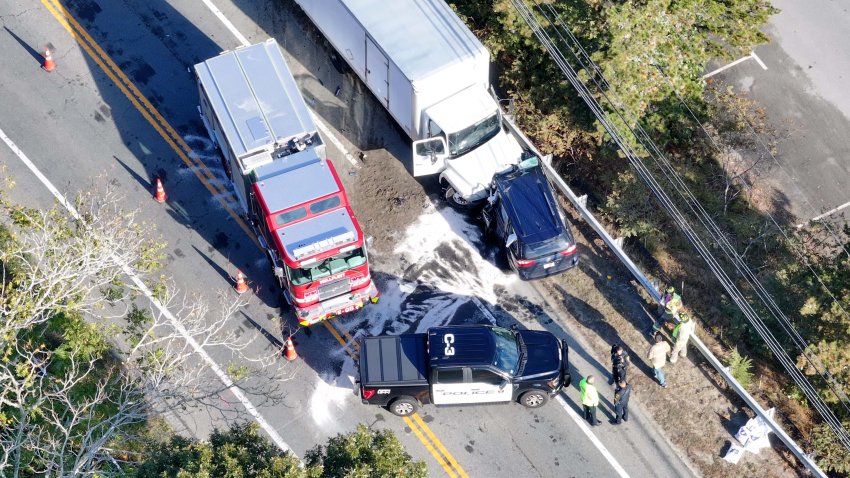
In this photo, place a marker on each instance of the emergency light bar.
(323, 245)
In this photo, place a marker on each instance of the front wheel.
(534, 399)
(455, 200)
(403, 406)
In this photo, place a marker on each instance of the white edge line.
(333, 139)
(244, 41)
(827, 213)
(599, 446)
(581, 423)
(756, 58)
(237, 392)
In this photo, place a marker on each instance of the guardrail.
(580, 203)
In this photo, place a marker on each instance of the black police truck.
(462, 365)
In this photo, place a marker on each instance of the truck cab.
(467, 144)
(313, 239)
(456, 365)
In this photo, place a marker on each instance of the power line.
(717, 235)
(800, 255)
(574, 47)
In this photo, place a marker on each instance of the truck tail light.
(568, 251)
(524, 262)
(368, 393)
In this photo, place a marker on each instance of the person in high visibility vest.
(670, 305)
(682, 333)
(589, 399)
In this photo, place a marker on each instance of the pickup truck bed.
(393, 360)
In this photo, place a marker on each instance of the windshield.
(331, 265)
(545, 248)
(470, 138)
(507, 350)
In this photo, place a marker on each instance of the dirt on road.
(597, 301)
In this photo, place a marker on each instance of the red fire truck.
(289, 192)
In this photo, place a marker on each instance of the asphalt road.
(804, 95)
(81, 130)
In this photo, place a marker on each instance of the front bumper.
(336, 306)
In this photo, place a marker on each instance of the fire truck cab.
(314, 241)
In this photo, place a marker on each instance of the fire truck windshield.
(330, 266)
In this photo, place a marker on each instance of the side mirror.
(278, 271)
(504, 384)
(369, 241)
(510, 240)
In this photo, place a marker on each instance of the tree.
(363, 453)
(77, 381)
(242, 452)
(238, 452)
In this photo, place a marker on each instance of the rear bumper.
(340, 305)
(538, 271)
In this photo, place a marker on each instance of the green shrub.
(739, 367)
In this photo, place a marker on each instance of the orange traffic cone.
(241, 285)
(160, 192)
(49, 65)
(289, 350)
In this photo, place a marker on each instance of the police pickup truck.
(460, 365)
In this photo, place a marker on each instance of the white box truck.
(432, 75)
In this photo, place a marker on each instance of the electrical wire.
(693, 205)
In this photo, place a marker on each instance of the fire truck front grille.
(333, 289)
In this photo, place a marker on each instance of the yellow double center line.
(221, 193)
(148, 111)
(417, 425)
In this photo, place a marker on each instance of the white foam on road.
(328, 402)
(444, 271)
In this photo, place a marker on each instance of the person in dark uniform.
(619, 363)
(621, 402)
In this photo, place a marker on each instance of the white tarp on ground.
(734, 454)
(753, 437)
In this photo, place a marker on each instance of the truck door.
(448, 387)
(377, 72)
(488, 386)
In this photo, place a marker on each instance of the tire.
(403, 406)
(534, 399)
(455, 200)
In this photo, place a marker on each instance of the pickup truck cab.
(523, 216)
(456, 365)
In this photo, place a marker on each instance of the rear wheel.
(403, 406)
(534, 399)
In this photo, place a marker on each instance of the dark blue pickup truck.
(462, 365)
